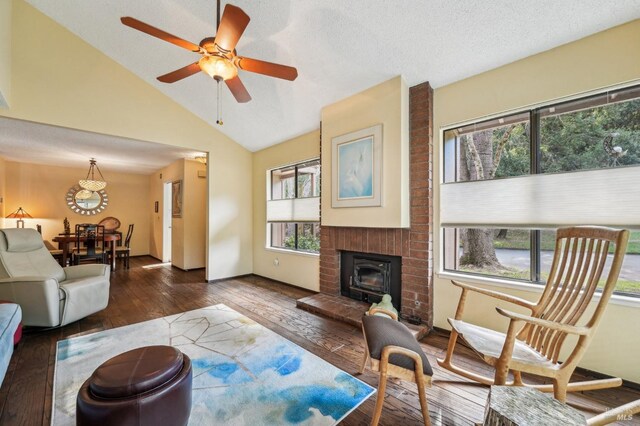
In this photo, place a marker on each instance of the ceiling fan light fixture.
(218, 67)
(219, 56)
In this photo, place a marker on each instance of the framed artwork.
(176, 198)
(356, 168)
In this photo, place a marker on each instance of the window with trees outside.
(293, 208)
(558, 148)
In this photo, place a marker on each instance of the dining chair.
(125, 250)
(111, 224)
(533, 343)
(90, 243)
(55, 252)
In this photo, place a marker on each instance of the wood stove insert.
(367, 277)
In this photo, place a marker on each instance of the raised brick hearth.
(347, 310)
(414, 245)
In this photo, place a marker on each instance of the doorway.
(166, 222)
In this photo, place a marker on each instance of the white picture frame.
(356, 168)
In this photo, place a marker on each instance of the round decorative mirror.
(86, 204)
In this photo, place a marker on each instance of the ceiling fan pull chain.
(219, 118)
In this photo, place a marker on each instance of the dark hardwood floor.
(150, 290)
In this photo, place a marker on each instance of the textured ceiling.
(28, 142)
(340, 47)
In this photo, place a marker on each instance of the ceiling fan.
(219, 58)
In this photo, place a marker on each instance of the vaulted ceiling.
(339, 47)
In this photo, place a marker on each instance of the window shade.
(294, 210)
(595, 197)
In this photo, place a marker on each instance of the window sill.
(295, 252)
(536, 288)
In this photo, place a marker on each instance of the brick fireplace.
(413, 245)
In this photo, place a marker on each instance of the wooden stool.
(524, 406)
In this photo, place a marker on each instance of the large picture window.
(293, 210)
(509, 182)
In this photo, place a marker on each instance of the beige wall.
(5, 53)
(188, 233)
(230, 213)
(293, 268)
(386, 103)
(41, 191)
(84, 89)
(2, 191)
(601, 60)
(195, 215)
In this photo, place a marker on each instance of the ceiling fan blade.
(179, 74)
(232, 25)
(238, 90)
(267, 68)
(162, 35)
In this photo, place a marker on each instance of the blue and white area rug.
(243, 373)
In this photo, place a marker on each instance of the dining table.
(65, 240)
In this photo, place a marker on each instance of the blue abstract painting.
(355, 169)
(243, 373)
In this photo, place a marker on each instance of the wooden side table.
(523, 406)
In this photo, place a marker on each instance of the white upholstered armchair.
(48, 294)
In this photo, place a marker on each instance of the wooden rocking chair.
(624, 412)
(578, 263)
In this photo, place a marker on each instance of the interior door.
(166, 222)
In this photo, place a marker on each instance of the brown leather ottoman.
(145, 386)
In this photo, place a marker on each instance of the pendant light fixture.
(90, 183)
